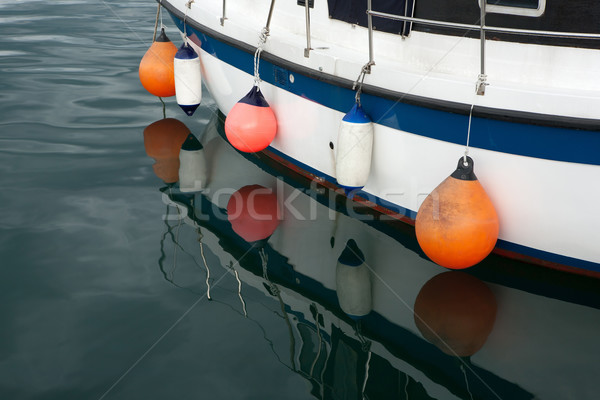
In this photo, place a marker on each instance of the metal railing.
(495, 29)
(481, 27)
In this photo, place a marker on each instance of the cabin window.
(527, 8)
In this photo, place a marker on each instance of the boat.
(513, 84)
(364, 340)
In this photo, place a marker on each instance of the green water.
(104, 283)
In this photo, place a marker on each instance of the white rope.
(462, 368)
(468, 137)
(237, 277)
(200, 236)
(264, 258)
(360, 80)
(262, 39)
(367, 367)
(188, 6)
(156, 23)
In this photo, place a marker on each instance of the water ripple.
(7, 53)
(20, 146)
(26, 18)
(23, 70)
(51, 38)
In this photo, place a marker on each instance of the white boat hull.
(548, 208)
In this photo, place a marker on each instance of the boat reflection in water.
(367, 315)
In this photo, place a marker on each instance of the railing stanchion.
(482, 78)
(307, 15)
(370, 21)
(224, 17)
(268, 24)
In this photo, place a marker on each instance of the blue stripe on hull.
(544, 255)
(550, 143)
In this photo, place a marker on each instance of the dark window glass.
(534, 4)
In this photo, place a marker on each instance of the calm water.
(106, 268)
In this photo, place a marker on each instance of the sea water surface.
(115, 285)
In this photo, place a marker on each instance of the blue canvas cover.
(355, 12)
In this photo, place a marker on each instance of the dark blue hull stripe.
(544, 255)
(552, 143)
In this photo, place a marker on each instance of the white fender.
(192, 166)
(354, 149)
(353, 282)
(188, 79)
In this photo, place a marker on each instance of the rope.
(367, 367)
(262, 39)
(462, 368)
(468, 137)
(200, 236)
(237, 277)
(314, 363)
(188, 6)
(264, 258)
(156, 23)
(360, 80)
(176, 241)
(164, 106)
